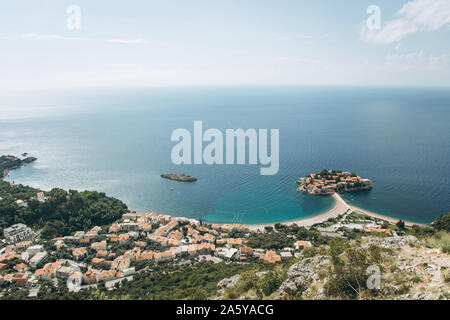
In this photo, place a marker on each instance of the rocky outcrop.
(301, 274)
(392, 242)
(10, 163)
(178, 177)
(226, 283)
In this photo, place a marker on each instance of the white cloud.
(416, 61)
(37, 36)
(135, 41)
(415, 16)
(288, 59)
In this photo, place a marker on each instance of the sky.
(222, 42)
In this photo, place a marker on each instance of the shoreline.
(383, 217)
(340, 207)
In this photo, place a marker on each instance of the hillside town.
(111, 254)
(327, 182)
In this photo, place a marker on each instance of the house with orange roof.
(141, 244)
(79, 253)
(135, 252)
(21, 267)
(9, 256)
(302, 244)
(270, 256)
(130, 215)
(90, 276)
(149, 215)
(96, 229)
(106, 275)
(114, 228)
(206, 247)
(177, 235)
(97, 261)
(123, 238)
(102, 253)
(84, 241)
(146, 227)
(146, 255)
(227, 227)
(370, 229)
(235, 241)
(163, 256)
(209, 237)
(245, 251)
(114, 239)
(121, 263)
(23, 244)
(48, 270)
(101, 245)
(18, 278)
(23, 282)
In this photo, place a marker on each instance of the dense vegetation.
(258, 284)
(442, 223)
(270, 240)
(167, 282)
(61, 214)
(348, 275)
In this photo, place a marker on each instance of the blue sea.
(118, 141)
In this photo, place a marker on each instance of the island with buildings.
(328, 182)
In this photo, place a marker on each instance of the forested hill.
(61, 214)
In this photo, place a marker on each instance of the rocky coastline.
(9, 162)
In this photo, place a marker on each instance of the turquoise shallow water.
(118, 141)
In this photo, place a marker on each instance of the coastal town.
(110, 254)
(327, 182)
(85, 245)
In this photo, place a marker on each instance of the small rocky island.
(327, 182)
(178, 177)
(11, 162)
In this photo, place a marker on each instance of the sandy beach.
(339, 208)
(379, 216)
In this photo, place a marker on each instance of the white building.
(41, 197)
(32, 250)
(227, 253)
(21, 203)
(17, 233)
(38, 259)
